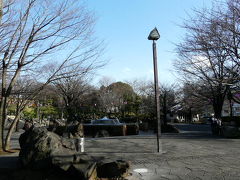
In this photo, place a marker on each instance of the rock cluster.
(71, 130)
(45, 151)
(114, 169)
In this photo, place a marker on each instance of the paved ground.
(192, 154)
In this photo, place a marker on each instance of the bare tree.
(195, 98)
(34, 33)
(206, 54)
(21, 92)
(142, 87)
(106, 81)
(71, 90)
(145, 90)
(167, 100)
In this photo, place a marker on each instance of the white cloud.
(201, 61)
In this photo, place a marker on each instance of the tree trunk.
(231, 108)
(164, 109)
(3, 106)
(10, 131)
(62, 114)
(1, 10)
(16, 114)
(217, 107)
(4, 100)
(70, 114)
(1, 126)
(190, 115)
(3, 117)
(17, 124)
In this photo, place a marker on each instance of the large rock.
(45, 152)
(71, 130)
(116, 169)
(43, 149)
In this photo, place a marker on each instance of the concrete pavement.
(192, 154)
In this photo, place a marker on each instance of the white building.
(226, 109)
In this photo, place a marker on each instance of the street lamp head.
(154, 35)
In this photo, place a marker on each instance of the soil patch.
(8, 152)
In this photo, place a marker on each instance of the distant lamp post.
(154, 36)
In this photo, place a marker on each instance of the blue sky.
(124, 25)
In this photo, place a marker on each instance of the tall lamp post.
(154, 36)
